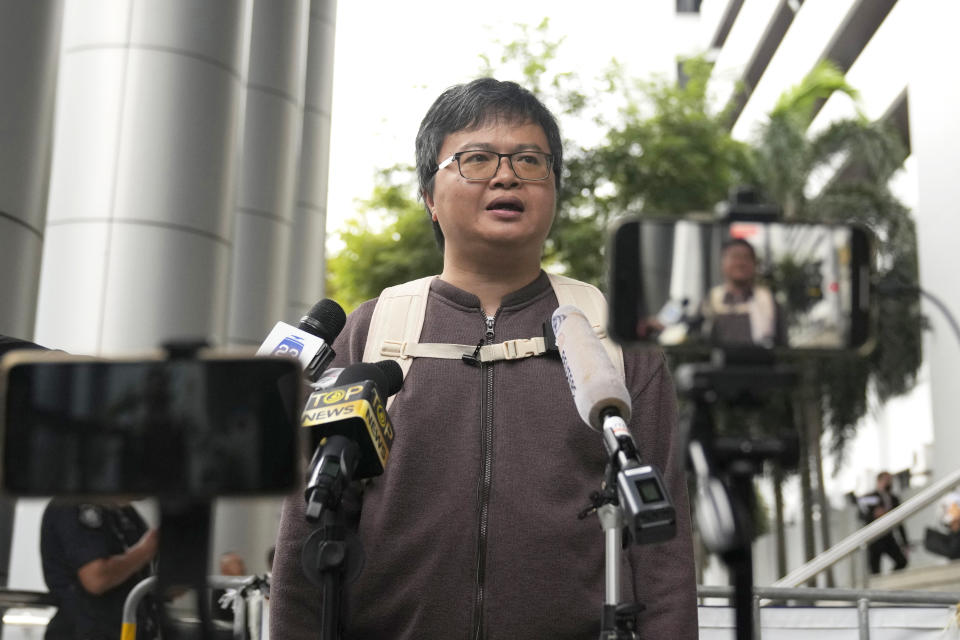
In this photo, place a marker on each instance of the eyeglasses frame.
(500, 156)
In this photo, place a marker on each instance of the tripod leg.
(741, 558)
(743, 595)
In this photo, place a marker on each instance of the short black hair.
(739, 242)
(471, 105)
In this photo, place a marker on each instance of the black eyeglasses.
(477, 164)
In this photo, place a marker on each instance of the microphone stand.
(332, 556)
(324, 560)
(634, 508)
(619, 619)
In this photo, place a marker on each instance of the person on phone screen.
(740, 311)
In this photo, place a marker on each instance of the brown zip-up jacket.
(472, 530)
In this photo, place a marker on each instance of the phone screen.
(184, 427)
(690, 285)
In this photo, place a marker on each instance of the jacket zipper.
(486, 478)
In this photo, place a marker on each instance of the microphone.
(603, 402)
(310, 340)
(351, 429)
(599, 393)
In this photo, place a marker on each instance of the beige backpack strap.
(590, 300)
(397, 321)
(398, 317)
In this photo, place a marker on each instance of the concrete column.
(263, 231)
(267, 190)
(308, 257)
(142, 188)
(29, 51)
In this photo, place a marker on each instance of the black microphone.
(603, 402)
(351, 430)
(310, 341)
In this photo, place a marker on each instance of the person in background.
(231, 564)
(894, 542)
(92, 556)
(945, 541)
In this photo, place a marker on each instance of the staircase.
(943, 576)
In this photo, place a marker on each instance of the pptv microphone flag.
(286, 340)
(310, 341)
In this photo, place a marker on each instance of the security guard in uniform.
(93, 555)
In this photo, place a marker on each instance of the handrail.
(870, 532)
(18, 598)
(862, 597)
(837, 595)
(128, 621)
(128, 629)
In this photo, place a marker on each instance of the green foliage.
(798, 280)
(403, 250)
(528, 59)
(663, 152)
(667, 155)
(671, 154)
(798, 101)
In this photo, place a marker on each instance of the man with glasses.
(473, 530)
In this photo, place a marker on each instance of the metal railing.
(14, 598)
(863, 597)
(870, 532)
(128, 629)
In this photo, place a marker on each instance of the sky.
(392, 59)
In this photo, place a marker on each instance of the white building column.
(935, 138)
(308, 256)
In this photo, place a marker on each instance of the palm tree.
(864, 156)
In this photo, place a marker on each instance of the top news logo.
(289, 346)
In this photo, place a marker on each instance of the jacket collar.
(519, 298)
